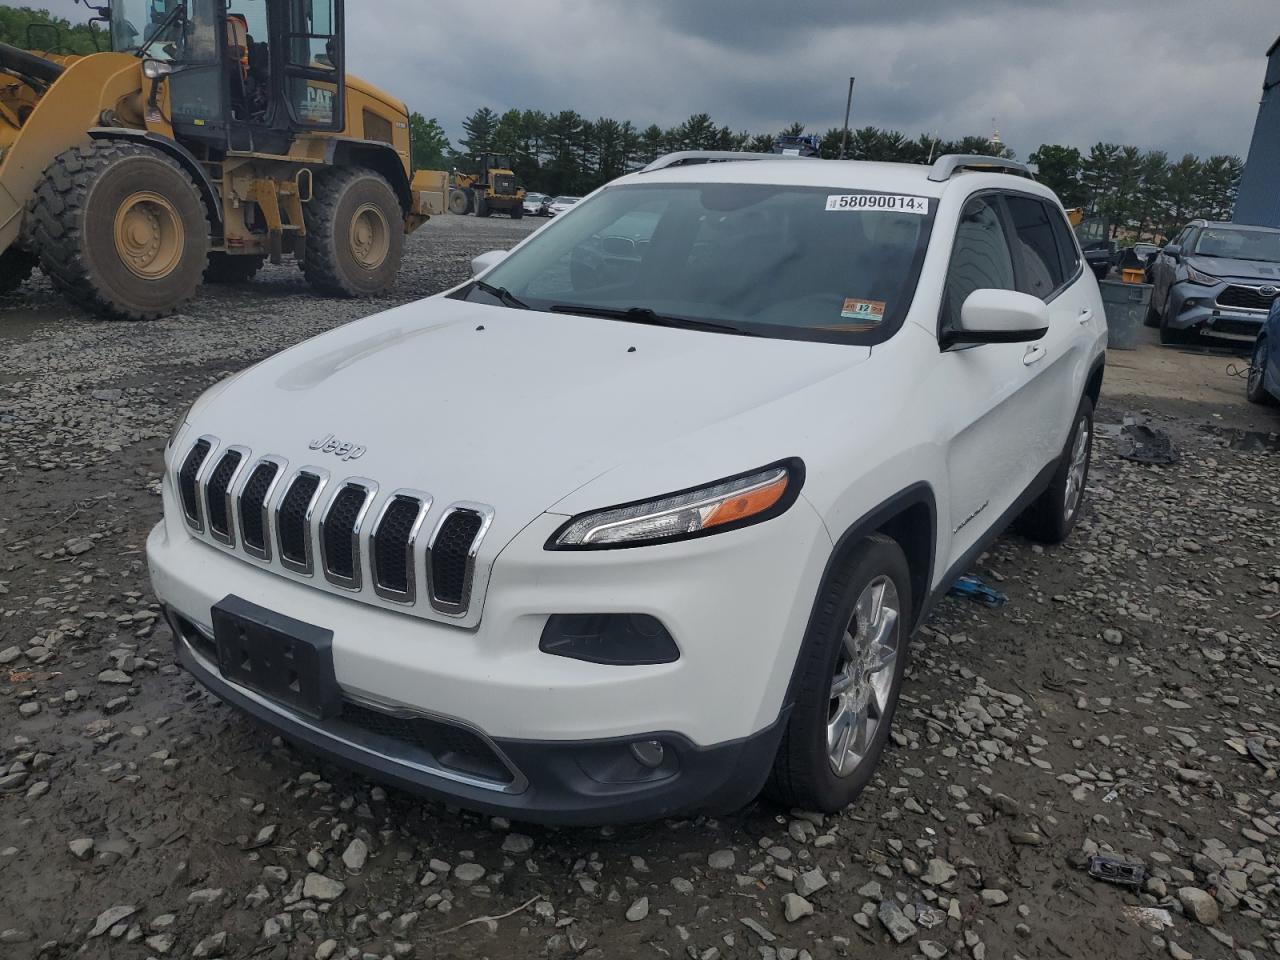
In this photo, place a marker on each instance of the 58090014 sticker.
(893, 203)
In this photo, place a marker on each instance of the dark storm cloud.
(1181, 75)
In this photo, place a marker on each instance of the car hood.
(511, 408)
(1249, 271)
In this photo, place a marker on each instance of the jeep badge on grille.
(339, 448)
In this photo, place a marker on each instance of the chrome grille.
(340, 532)
(392, 543)
(293, 520)
(451, 556)
(217, 495)
(255, 535)
(261, 508)
(187, 475)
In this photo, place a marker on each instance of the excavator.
(214, 135)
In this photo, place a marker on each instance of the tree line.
(1141, 194)
(33, 29)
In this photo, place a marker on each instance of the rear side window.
(1067, 248)
(980, 258)
(1041, 272)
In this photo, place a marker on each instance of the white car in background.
(640, 521)
(561, 205)
(534, 203)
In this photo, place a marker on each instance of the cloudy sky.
(1178, 75)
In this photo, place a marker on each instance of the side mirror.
(1000, 316)
(487, 261)
(1173, 251)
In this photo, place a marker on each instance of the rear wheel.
(121, 230)
(16, 265)
(1051, 516)
(232, 268)
(1255, 387)
(355, 234)
(847, 683)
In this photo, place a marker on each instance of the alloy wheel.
(1076, 471)
(864, 674)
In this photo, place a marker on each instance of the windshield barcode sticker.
(897, 203)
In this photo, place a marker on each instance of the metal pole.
(848, 105)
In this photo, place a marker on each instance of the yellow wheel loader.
(215, 135)
(493, 190)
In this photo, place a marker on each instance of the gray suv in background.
(1215, 279)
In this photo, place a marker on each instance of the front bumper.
(736, 604)
(1196, 308)
(553, 782)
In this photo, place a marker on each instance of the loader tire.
(482, 206)
(121, 230)
(355, 234)
(459, 202)
(232, 268)
(16, 265)
(517, 212)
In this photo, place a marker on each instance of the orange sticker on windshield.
(868, 312)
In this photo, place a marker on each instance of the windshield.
(1235, 244)
(180, 30)
(765, 260)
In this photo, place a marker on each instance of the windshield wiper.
(648, 316)
(501, 294)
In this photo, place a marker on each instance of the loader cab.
(247, 75)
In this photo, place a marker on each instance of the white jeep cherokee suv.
(640, 520)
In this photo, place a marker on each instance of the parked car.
(1263, 384)
(1215, 279)
(666, 544)
(560, 205)
(535, 204)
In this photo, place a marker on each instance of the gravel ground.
(1124, 701)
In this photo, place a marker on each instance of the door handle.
(1034, 354)
(1085, 315)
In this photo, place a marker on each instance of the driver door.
(312, 67)
(197, 87)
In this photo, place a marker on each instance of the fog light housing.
(613, 639)
(648, 753)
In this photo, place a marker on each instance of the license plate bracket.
(283, 659)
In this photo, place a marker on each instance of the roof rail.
(948, 165)
(684, 158)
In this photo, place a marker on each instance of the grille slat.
(293, 526)
(187, 481)
(393, 547)
(1249, 298)
(253, 501)
(451, 563)
(339, 535)
(217, 502)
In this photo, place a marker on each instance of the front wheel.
(355, 234)
(1255, 389)
(850, 672)
(1051, 516)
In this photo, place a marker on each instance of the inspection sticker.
(864, 311)
(897, 203)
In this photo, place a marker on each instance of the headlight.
(1195, 276)
(155, 69)
(724, 505)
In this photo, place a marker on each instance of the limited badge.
(870, 312)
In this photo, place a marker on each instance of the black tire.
(482, 206)
(517, 212)
(16, 265)
(332, 262)
(459, 202)
(76, 230)
(802, 774)
(232, 268)
(1255, 389)
(1050, 518)
(1172, 336)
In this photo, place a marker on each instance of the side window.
(1182, 237)
(1041, 273)
(1067, 249)
(980, 258)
